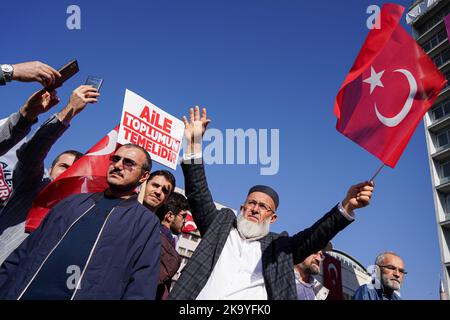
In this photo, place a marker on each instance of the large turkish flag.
(388, 90)
(87, 175)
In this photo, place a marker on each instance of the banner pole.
(376, 173)
(142, 192)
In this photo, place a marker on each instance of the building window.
(442, 139)
(189, 253)
(434, 41)
(442, 58)
(442, 109)
(447, 204)
(446, 170)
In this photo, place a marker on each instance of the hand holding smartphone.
(67, 72)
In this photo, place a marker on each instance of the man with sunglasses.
(172, 215)
(92, 246)
(390, 275)
(238, 258)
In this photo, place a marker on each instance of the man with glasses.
(92, 246)
(308, 287)
(390, 276)
(238, 258)
(172, 215)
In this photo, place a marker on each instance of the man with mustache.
(308, 287)
(392, 273)
(238, 258)
(92, 246)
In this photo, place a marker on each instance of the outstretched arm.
(320, 233)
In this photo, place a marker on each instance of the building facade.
(428, 28)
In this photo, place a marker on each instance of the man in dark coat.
(92, 246)
(238, 258)
(172, 215)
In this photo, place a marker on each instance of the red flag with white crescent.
(388, 90)
(189, 224)
(332, 277)
(86, 175)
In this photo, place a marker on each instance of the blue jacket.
(124, 262)
(365, 292)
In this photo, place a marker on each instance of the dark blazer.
(170, 263)
(124, 262)
(279, 251)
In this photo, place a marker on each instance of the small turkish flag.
(189, 224)
(388, 90)
(86, 175)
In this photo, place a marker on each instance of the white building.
(428, 28)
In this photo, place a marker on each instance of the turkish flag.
(86, 175)
(189, 224)
(388, 89)
(332, 277)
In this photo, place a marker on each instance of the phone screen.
(96, 82)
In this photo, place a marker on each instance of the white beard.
(250, 230)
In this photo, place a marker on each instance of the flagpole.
(142, 191)
(376, 173)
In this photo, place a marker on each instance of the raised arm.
(199, 197)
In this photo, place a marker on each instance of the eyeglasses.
(262, 206)
(393, 268)
(126, 162)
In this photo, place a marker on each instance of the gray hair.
(379, 259)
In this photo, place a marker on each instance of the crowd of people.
(124, 249)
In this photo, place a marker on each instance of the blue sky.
(254, 64)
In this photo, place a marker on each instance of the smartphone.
(95, 82)
(67, 72)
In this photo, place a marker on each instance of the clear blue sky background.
(253, 64)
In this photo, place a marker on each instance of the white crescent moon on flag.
(394, 121)
(110, 147)
(331, 266)
(190, 223)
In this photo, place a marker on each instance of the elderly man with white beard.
(391, 275)
(238, 258)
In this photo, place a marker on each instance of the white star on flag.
(374, 80)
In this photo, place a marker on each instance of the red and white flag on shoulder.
(86, 175)
(388, 90)
(189, 224)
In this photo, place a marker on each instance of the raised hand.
(195, 129)
(358, 196)
(39, 102)
(80, 97)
